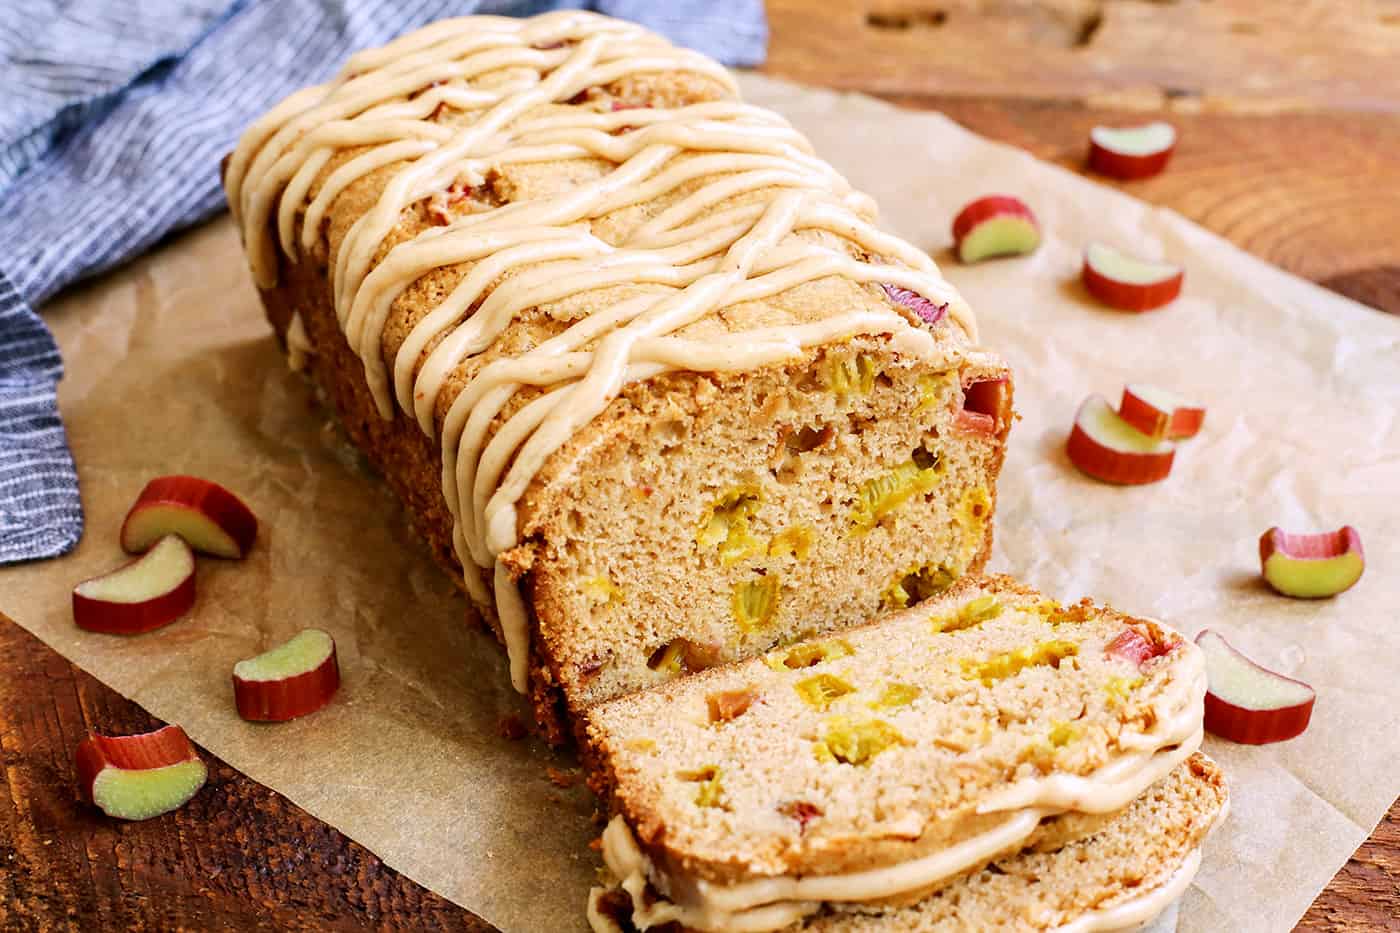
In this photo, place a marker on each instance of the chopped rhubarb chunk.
(974, 422)
(985, 404)
(136, 777)
(1311, 566)
(928, 311)
(801, 811)
(1131, 645)
(729, 704)
(986, 397)
(442, 204)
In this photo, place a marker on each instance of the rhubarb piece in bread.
(882, 762)
(1117, 878)
(631, 355)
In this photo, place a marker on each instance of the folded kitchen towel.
(113, 120)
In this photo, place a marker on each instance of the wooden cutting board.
(1289, 117)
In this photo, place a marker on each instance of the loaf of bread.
(881, 763)
(716, 459)
(645, 374)
(1120, 876)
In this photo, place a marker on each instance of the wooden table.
(1290, 131)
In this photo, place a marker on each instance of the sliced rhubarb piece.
(1107, 448)
(1157, 412)
(144, 594)
(801, 811)
(296, 678)
(995, 225)
(1247, 703)
(975, 422)
(1131, 152)
(136, 777)
(211, 519)
(929, 312)
(1311, 566)
(1127, 282)
(728, 705)
(442, 204)
(1134, 647)
(986, 406)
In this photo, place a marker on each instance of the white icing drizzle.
(1136, 912)
(598, 921)
(702, 253)
(1176, 735)
(633, 870)
(874, 883)
(1141, 910)
(1110, 788)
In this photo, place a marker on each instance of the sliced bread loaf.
(644, 371)
(916, 748)
(1117, 878)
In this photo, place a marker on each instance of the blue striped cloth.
(113, 119)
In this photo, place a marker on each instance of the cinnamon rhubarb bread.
(644, 372)
(880, 763)
(1117, 877)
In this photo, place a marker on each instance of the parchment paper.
(172, 369)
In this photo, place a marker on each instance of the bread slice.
(819, 439)
(920, 746)
(1117, 878)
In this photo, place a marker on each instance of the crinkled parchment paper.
(171, 369)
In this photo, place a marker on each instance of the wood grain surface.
(237, 857)
(1314, 189)
(1289, 115)
(1238, 55)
